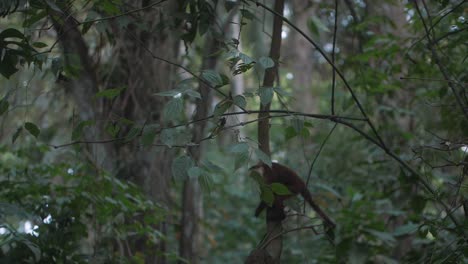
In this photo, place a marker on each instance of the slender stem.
(333, 59)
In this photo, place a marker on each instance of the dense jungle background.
(127, 129)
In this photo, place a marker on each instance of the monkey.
(286, 176)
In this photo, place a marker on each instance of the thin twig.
(335, 27)
(316, 157)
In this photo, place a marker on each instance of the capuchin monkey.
(286, 176)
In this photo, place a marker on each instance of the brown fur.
(286, 176)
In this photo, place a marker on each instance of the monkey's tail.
(327, 221)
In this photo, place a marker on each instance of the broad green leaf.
(406, 229)
(266, 94)
(195, 172)
(289, 132)
(11, 33)
(240, 101)
(205, 182)
(263, 157)
(240, 147)
(240, 160)
(193, 93)
(267, 195)
(112, 129)
(170, 93)
(266, 62)
(39, 45)
(222, 107)
(212, 77)
(133, 133)
(109, 93)
(176, 136)
(180, 167)
(173, 109)
(32, 129)
(4, 104)
(280, 189)
(148, 137)
(246, 59)
(383, 236)
(16, 134)
(8, 64)
(78, 130)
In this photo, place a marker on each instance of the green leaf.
(240, 101)
(133, 133)
(195, 172)
(289, 133)
(267, 195)
(32, 129)
(180, 167)
(222, 107)
(212, 77)
(109, 93)
(39, 45)
(173, 109)
(241, 147)
(205, 182)
(263, 157)
(266, 62)
(193, 93)
(170, 93)
(280, 189)
(148, 137)
(112, 129)
(383, 236)
(266, 95)
(78, 131)
(246, 59)
(406, 229)
(8, 64)
(240, 160)
(16, 134)
(176, 136)
(4, 104)
(11, 33)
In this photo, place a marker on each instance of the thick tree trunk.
(143, 76)
(274, 227)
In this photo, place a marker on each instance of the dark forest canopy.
(128, 129)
